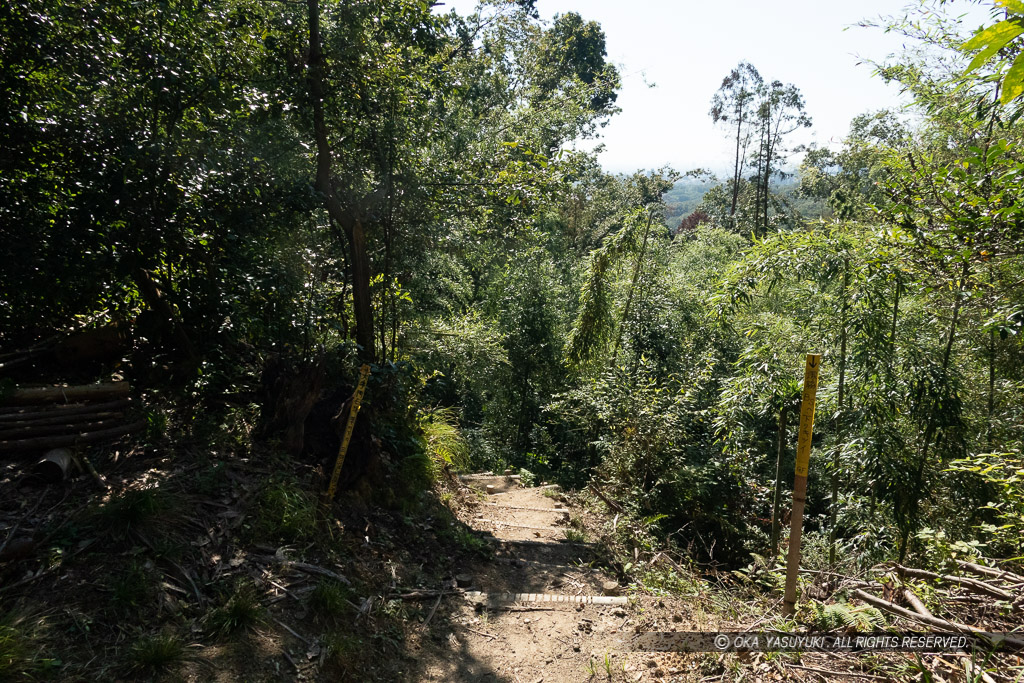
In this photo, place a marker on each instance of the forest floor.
(194, 565)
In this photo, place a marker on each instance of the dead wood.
(970, 584)
(58, 411)
(47, 442)
(86, 424)
(607, 501)
(994, 572)
(67, 394)
(930, 621)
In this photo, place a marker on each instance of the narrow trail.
(537, 611)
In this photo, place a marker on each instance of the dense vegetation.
(262, 190)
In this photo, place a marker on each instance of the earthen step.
(562, 511)
(505, 598)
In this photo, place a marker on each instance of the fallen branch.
(607, 501)
(305, 567)
(916, 603)
(72, 420)
(968, 583)
(994, 572)
(935, 622)
(426, 622)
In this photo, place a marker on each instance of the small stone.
(611, 588)
(575, 647)
(677, 618)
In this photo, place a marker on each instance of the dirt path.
(560, 632)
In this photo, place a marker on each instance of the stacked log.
(38, 419)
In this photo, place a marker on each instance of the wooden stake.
(357, 399)
(803, 456)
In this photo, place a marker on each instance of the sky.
(673, 55)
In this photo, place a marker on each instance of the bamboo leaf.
(1013, 82)
(992, 40)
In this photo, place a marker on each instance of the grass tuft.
(330, 600)
(242, 610)
(446, 446)
(285, 512)
(157, 653)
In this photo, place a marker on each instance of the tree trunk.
(776, 523)
(929, 431)
(349, 223)
(840, 434)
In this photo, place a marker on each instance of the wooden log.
(916, 603)
(68, 394)
(970, 584)
(61, 420)
(87, 424)
(930, 621)
(994, 572)
(47, 442)
(59, 411)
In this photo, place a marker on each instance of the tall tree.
(780, 113)
(735, 105)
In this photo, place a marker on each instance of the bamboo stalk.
(77, 427)
(50, 419)
(68, 394)
(58, 409)
(47, 442)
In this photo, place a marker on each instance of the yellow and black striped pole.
(803, 457)
(357, 399)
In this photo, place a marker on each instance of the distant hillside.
(682, 199)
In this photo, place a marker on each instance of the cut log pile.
(37, 419)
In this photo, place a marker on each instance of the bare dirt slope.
(559, 635)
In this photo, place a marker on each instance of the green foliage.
(527, 478)
(284, 511)
(446, 445)
(1004, 473)
(838, 616)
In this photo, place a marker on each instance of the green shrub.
(446, 445)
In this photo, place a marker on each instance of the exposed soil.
(529, 641)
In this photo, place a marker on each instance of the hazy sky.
(684, 48)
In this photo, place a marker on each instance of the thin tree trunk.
(737, 168)
(930, 427)
(840, 432)
(991, 378)
(777, 501)
(350, 224)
